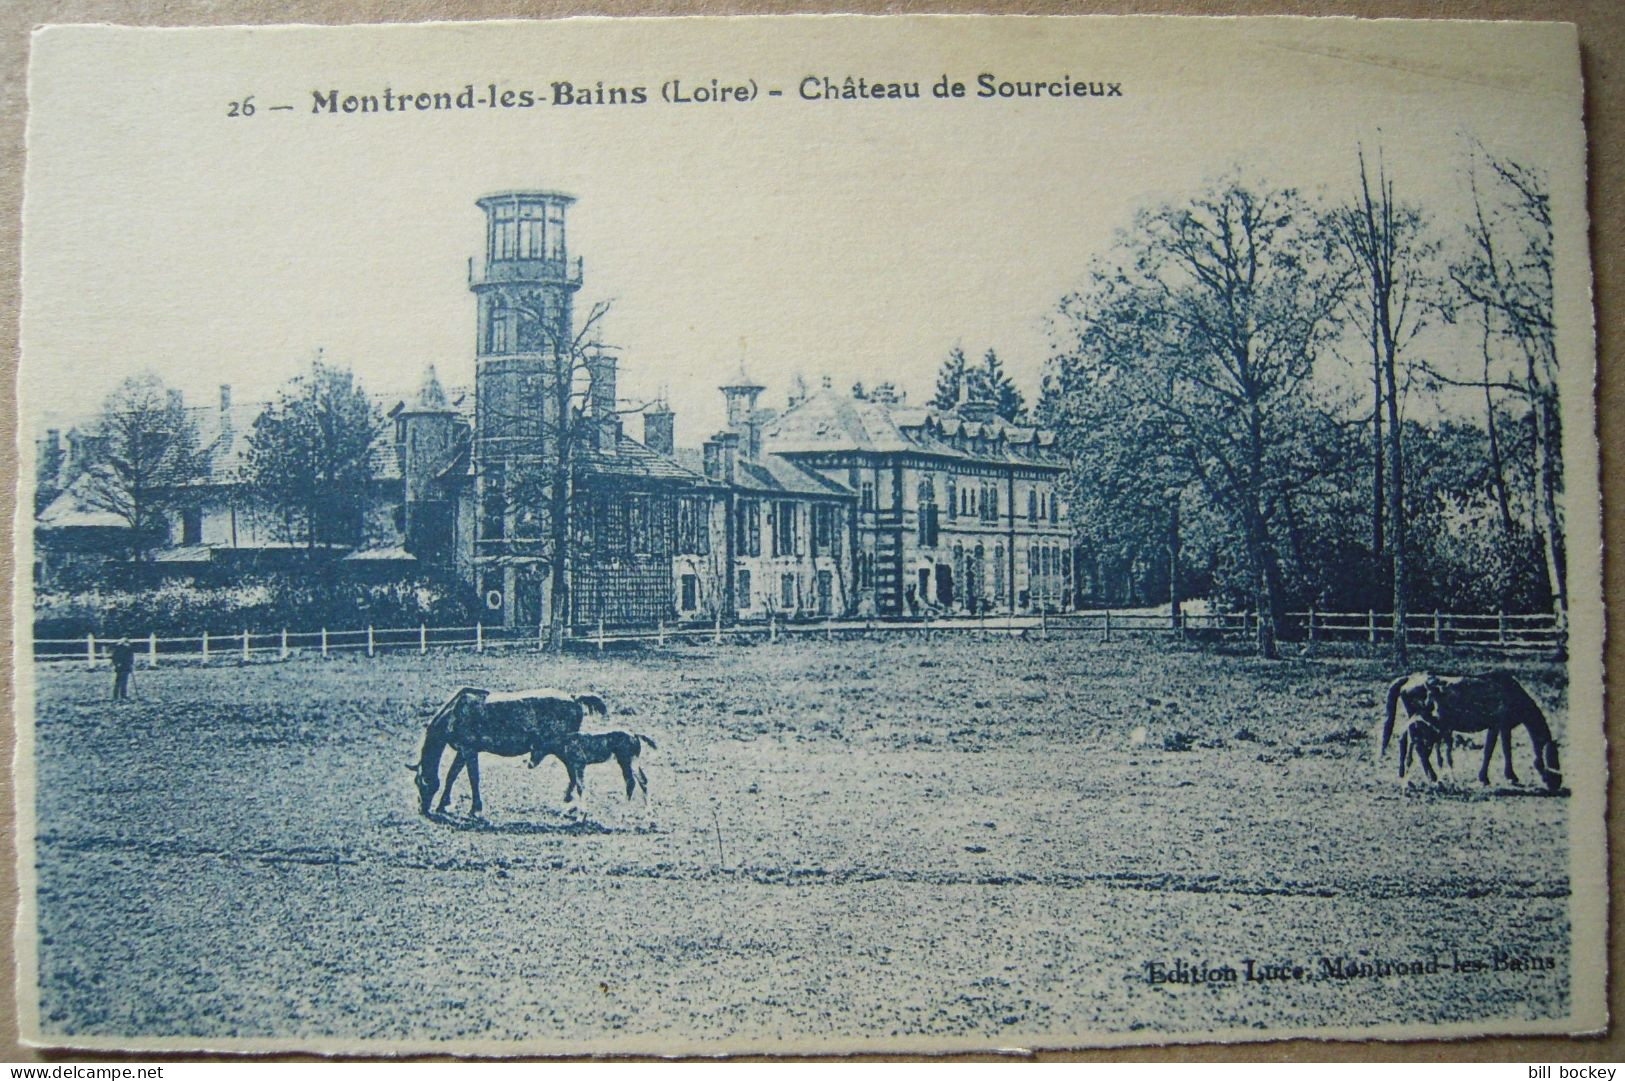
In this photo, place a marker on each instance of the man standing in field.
(123, 663)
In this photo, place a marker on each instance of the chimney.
(607, 426)
(722, 456)
(50, 456)
(659, 429)
(225, 398)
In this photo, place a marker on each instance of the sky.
(855, 240)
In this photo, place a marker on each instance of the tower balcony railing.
(500, 271)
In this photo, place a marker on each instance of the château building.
(842, 503)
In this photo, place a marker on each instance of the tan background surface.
(1602, 40)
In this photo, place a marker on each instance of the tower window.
(531, 232)
(555, 231)
(504, 233)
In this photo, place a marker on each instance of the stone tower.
(525, 292)
(427, 435)
(741, 393)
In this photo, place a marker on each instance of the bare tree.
(147, 455)
(543, 471)
(1507, 272)
(1384, 241)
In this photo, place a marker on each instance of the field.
(990, 843)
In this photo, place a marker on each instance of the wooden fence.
(1499, 631)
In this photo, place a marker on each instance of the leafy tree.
(992, 383)
(147, 455)
(1211, 316)
(310, 456)
(950, 380)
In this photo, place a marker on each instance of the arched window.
(953, 497)
(998, 573)
(1032, 505)
(1054, 511)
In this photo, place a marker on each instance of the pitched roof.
(772, 475)
(633, 459)
(829, 421)
(72, 510)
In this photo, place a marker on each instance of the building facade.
(840, 504)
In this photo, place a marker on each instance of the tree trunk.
(562, 497)
(1396, 514)
(1378, 455)
(1173, 563)
(1497, 468)
(1546, 502)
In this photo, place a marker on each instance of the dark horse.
(508, 723)
(1493, 703)
(578, 751)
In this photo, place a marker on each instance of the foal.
(578, 750)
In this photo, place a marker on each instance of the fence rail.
(1501, 631)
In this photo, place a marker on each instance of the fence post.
(423, 639)
(245, 645)
(716, 630)
(90, 650)
(152, 650)
(1311, 625)
(324, 642)
(370, 648)
(982, 628)
(829, 627)
(600, 634)
(284, 650)
(479, 637)
(1501, 627)
(1107, 627)
(1438, 637)
(772, 627)
(205, 647)
(660, 633)
(541, 635)
(1043, 622)
(1371, 626)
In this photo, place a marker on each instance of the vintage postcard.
(807, 535)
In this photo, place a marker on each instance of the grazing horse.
(1493, 703)
(578, 751)
(508, 723)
